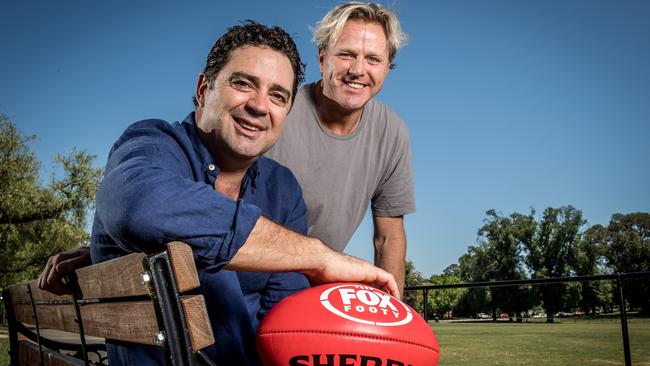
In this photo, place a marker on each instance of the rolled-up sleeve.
(152, 193)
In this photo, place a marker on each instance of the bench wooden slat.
(115, 304)
(119, 277)
(19, 293)
(183, 265)
(198, 324)
(115, 278)
(29, 355)
(133, 321)
(48, 316)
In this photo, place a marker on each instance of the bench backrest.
(136, 298)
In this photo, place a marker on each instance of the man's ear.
(201, 88)
(321, 58)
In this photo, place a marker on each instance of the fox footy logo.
(365, 304)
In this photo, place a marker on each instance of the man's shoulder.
(157, 135)
(151, 125)
(145, 127)
(155, 129)
(383, 124)
(304, 102)
(305, 90)
(376, 109)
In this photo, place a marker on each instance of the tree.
(586, 262)
(473, 265)
(413, 278)
(440, 302)
(628, 250)
(35, 221)
(551, 251)
(471, 302)
(503, 237)
(452, 270)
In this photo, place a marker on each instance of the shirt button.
(211, 167)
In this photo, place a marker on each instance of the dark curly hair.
(251, 33)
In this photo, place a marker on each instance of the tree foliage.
(551, 251)
(627, 249)
(440, 302)
(471, 265)
(471, 302)
(628, 242)
(519, 246)
(413, 278)
(38, 221)
(503, 238)
(588, 261)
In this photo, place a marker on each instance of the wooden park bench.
(136, 298)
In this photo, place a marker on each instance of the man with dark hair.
(204, 182)
(220, 53)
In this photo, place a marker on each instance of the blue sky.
(511, 104)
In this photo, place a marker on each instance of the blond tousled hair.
(328, 29)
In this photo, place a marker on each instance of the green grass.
(4, 347)
(571, 343)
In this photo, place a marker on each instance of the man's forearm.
(393, 263)
(272, 248)
(390, 247)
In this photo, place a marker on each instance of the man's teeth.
(355, 85)
(248, 127)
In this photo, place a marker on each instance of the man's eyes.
(279, 98)
(241, 84)
(373, 60)
(244, 85)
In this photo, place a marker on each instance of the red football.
(345, 324)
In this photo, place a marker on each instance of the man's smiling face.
(355, 66)
(241, 114)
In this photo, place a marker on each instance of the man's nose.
(258, 104)
(357, 66)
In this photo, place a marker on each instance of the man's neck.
(231, 174)
(229, 183)
(231, 170)
(336, 120)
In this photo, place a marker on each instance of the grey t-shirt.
(340, 175)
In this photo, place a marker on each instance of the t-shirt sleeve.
(394, 196)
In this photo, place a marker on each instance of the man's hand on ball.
(338, 267)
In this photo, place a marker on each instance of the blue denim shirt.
(159, 187)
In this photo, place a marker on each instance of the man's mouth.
(354, 85)
(247, 126)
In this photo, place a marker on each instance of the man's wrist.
(320, 254)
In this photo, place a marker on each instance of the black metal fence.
(618, 277)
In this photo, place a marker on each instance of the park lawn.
(4, 347)
(570, 342)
